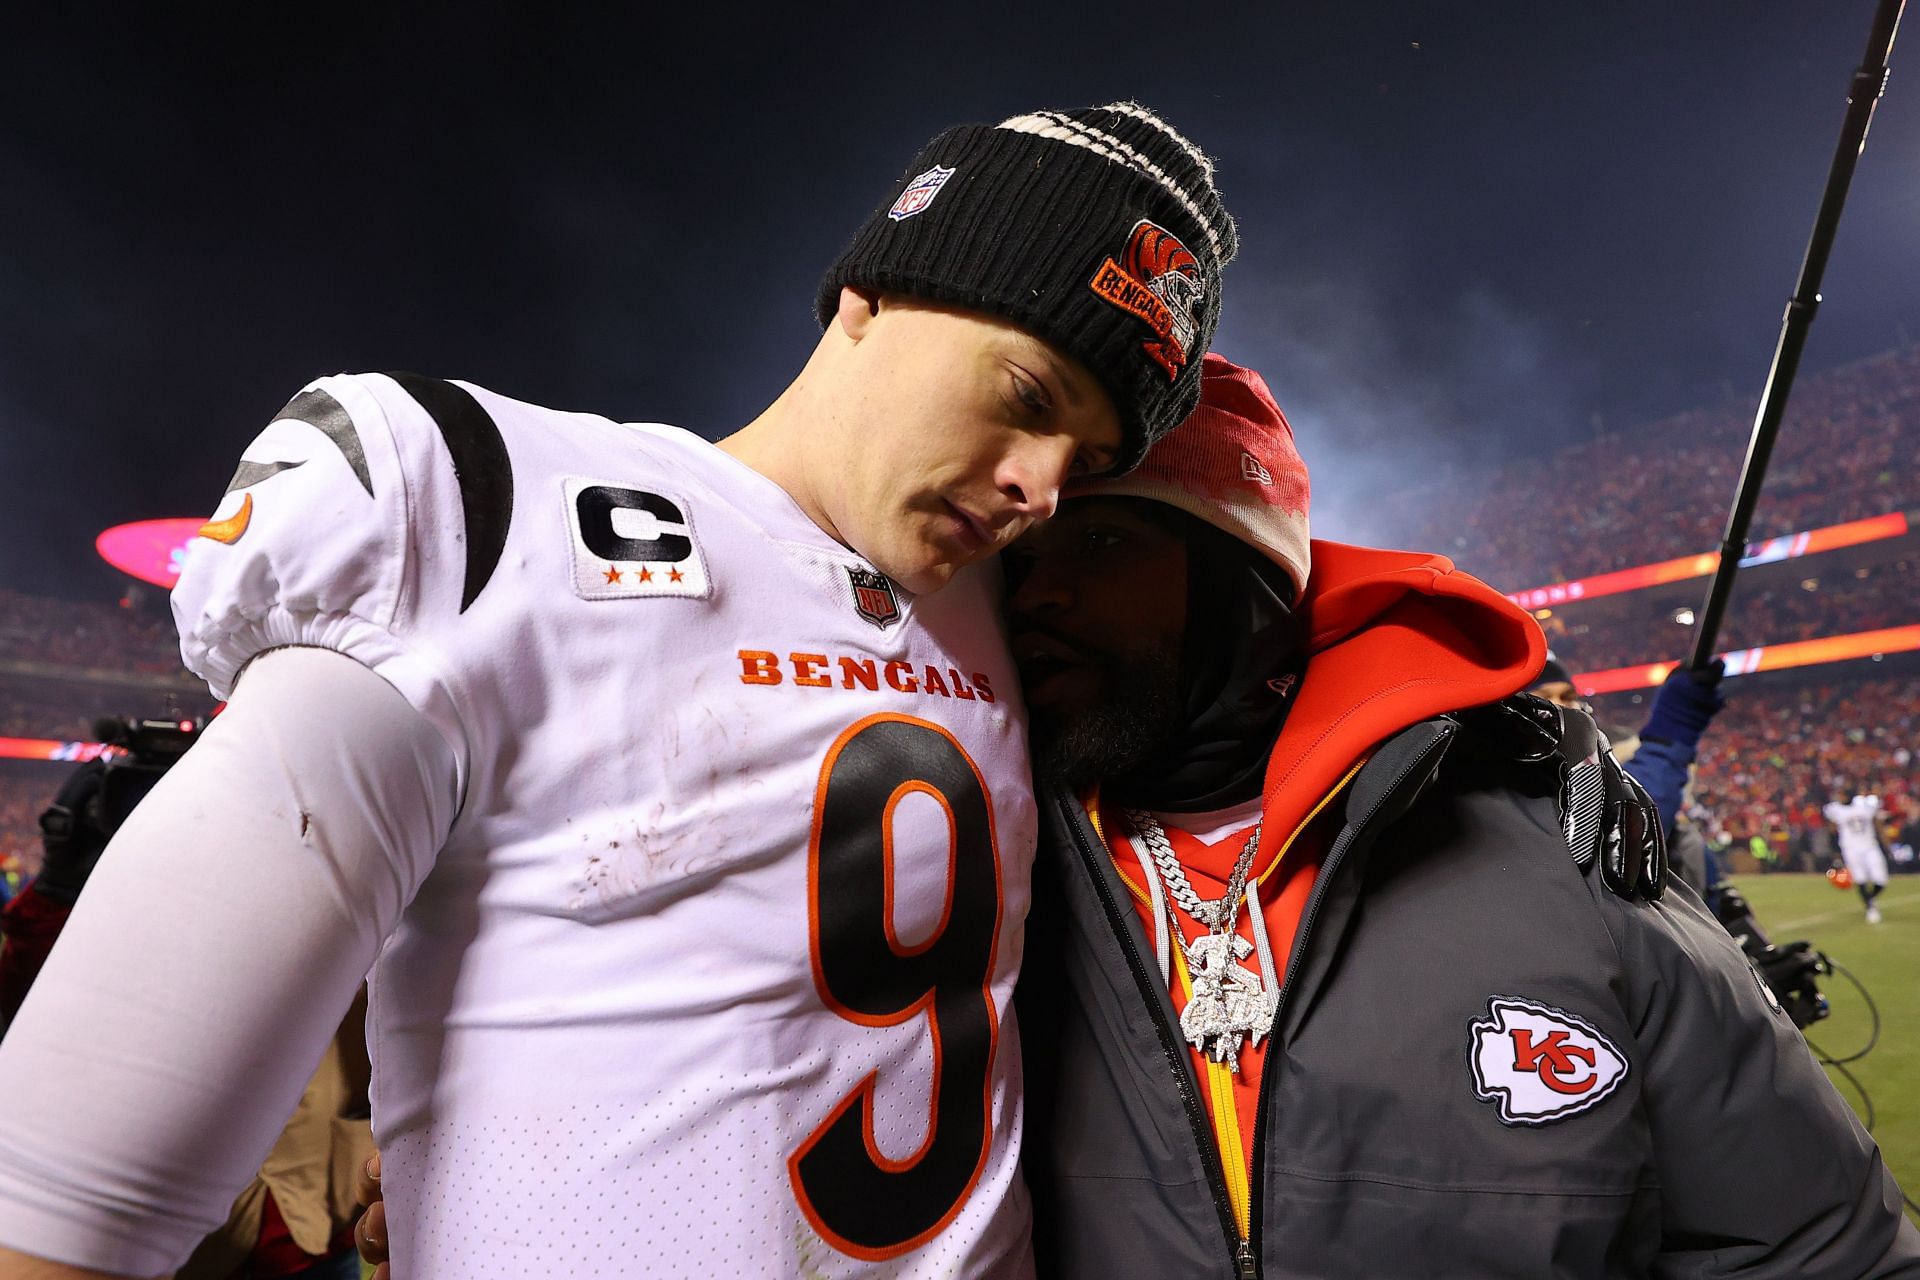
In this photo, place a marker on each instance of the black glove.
(72, 833)
(1789, 973)
(1608, 817)
(1686, 703)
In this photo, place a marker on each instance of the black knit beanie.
(1098, 230)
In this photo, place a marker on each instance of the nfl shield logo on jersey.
(873, 597)
(919, 193)
(1539, 1064)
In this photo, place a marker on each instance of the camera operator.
(294, 1220)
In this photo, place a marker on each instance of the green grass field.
(1886, 959)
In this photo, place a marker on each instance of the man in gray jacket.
(1344, 960)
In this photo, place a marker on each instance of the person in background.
(1860, 847)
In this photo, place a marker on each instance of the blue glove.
(1686, 703)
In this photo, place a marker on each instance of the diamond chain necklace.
(1228, 1003)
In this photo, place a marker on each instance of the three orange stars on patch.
(643, 575)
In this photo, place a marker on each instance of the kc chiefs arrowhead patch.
(1539, 1064)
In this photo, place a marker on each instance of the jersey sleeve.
(324, 539)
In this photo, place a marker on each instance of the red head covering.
(1232, 463)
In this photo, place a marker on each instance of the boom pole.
(1863, 94)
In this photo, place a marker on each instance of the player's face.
(1560, 693)
(954, 436)
(1097, 607)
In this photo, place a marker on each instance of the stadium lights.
(1774, 657)
(1791, 546)
(51, 749)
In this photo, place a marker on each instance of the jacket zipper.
(1240, 1249)
(1249, 1262)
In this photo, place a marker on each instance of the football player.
(679, 791)
(1866, 861)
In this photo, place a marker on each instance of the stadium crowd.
(36, 709)
(1783, 748)
(1625, 630)
(84, 635)
(1850, 448)
(24, 792)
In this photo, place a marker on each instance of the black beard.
(1136, 717)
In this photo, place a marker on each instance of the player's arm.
(235, 913)
(1764, 1171)
(220, 941)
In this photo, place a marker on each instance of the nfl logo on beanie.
(919, 193)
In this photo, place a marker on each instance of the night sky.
(1468, 228)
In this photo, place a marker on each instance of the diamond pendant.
(1227, 1001)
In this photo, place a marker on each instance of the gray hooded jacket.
(1487, 1062)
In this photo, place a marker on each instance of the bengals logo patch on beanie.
(1158, 280)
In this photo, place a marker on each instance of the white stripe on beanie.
(1139, 112)
(1059, 127)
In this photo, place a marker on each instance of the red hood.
(1397, 637)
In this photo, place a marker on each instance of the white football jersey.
(1854, 820)
(712, 976)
